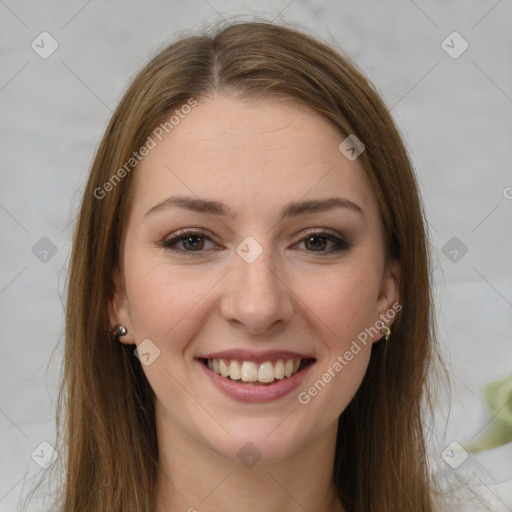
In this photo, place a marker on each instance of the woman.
(252, 226)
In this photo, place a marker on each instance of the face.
(253, 260)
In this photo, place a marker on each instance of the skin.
(256, 156)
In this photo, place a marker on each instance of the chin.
(262, 440)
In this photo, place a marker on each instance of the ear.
(119, 310)
(388, 302)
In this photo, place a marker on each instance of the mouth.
(265, 372)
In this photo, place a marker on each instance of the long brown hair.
(108, 443)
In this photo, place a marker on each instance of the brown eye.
(323, 242)
(189, 242)
(192, 243)
(316, 243)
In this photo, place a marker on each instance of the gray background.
(456, 116)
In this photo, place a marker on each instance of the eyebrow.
(291, 210)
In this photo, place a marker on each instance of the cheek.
(343, 300)
(164, 297)
(343, 303)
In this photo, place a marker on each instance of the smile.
(266, 372)
(248, 376)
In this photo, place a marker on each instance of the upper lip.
(257, 357)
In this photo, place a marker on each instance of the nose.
(256, 297)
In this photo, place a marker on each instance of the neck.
(193, 478)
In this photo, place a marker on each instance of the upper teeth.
(249, 371)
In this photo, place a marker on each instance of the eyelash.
(340, 242)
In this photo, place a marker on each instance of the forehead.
(250, 153)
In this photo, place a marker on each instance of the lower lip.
(254, 393)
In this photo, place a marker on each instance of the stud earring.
(117, 331)
(385, 330)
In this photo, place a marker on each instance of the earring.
(385, 330)
(117, 331)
